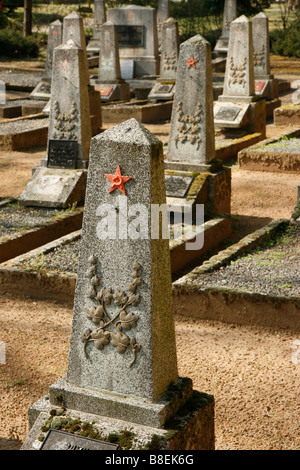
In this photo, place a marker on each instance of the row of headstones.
(192, 137)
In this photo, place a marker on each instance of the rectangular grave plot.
(62, 154)
(226, 113)
(60, 440)
(130, 36)
(177, 186)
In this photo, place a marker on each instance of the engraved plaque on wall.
(227, 113)
(60, 440)
(62, 154)
(130, 36)
(177, 186)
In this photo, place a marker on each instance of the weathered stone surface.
(163, 13)
(54, 188)
(192, 136)
(55, 37)
(73, 29)
(69, 110)
(169, 49)
(239, 75)
(125, 145)
(137, 35)
(230, 14)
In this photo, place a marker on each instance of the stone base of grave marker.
(51, 187)
(119, 91)
(163, 90)
(235, 114)
(42, 91)
(221, 47)
(182, 420)
(211, 188)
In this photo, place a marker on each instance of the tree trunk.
(27, 17)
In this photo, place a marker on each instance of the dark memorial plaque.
(227, 113)
(62, 154)
(164, 88)
(60, 440)
(177, 186)
(130, 36)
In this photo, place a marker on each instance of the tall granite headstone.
(73, 29)
(137, 37)
(43, 90)
(192, 139)
(191, 146)
(99, 18)
(239, 106)
(163, 13)
(164, 88)
(265, 84)
(230, 14)
(122, 360)
(110, 84)
(55, 183)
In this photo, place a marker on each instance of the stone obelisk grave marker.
(122, 361)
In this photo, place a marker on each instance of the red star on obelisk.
(118, 181)
(191, 62)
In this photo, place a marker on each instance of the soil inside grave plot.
(15, 218)
(271, 269)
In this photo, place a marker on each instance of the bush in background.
(286, 42)
(14, 45)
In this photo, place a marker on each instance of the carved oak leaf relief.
(111, 326)
(65, 125)
(188, 126)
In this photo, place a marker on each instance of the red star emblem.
(191, 62)
(118, 181)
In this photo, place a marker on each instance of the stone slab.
(51, 187)
(192, 429)
(232, 114)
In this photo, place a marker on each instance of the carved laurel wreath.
(65, 124)
(238, 72)
(120, 322)
(259, 56)
(188, 126)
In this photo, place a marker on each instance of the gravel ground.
(273, 269)
(14, 218)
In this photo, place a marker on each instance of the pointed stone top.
(56, 22)
(260, 15)
(70, 44)
(170, 20)
(198, 39)
(130, 131)
(73, 15)
(242, 19)
(110, 23)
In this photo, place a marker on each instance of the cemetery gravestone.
(164, 87)
(163, 13)
(58, 181)
(230, 14)
(43, 90)
(110, 84)
(99, 18)
(137, 37)
(239, 84)
(122, 359)
(191, 146)
(266, 85)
